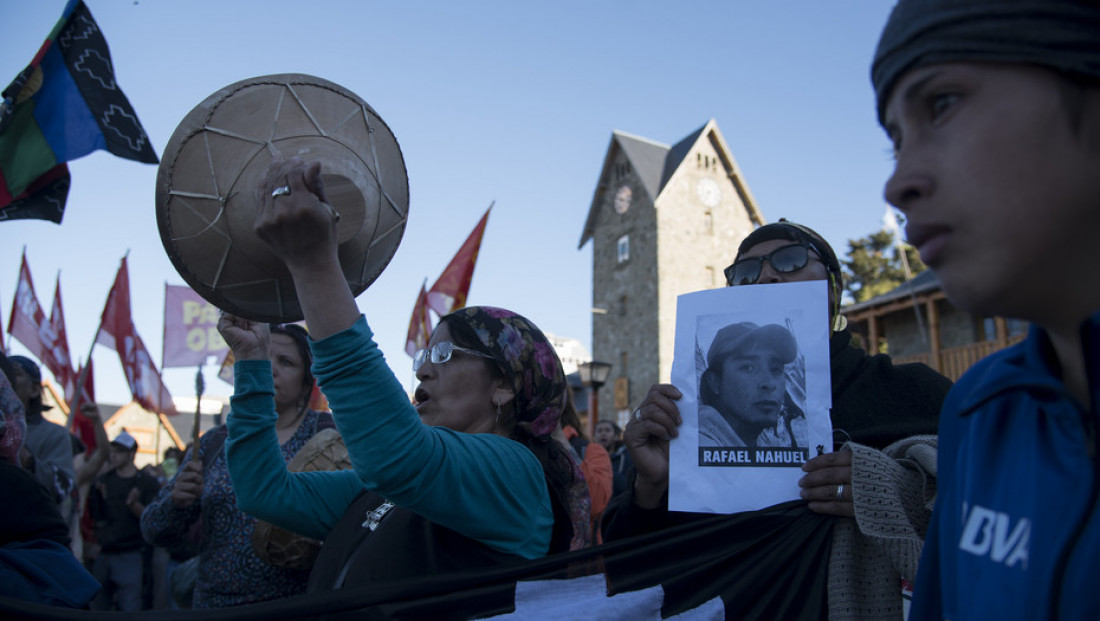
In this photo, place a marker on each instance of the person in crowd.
(593, 459)
(171, 462)
(743, 393)
(884, 419)
(49, 444)
(470, 476)
(198, 506)
(609, 436)
(115, 502)
(35, 562)
(993, 109)
(88, 464)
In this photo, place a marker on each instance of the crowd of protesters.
(971, 92)
(74, 532)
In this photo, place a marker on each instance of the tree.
(874, 266)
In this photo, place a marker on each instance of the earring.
(498, 414)
(839, 323)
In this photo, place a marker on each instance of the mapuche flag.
(64, 105)
(450, 291)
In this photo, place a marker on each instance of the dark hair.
(34, 374)
(8, 368)
(614, 426)
(300, 337)
(570, 417)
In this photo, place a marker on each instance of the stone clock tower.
(663, 221)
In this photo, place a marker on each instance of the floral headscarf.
(533, 371)
(525, 356)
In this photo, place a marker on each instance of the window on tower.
(623, 248)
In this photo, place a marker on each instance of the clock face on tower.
(622, 199)
(709, 192)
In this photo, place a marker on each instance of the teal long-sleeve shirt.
(487, 487)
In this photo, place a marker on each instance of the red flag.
(117, 331)
(420, 325)
(82, 425)
(26, 314)
(58, 360)
(115, 323)
(44, 339)
(146, 385)
(449, 292)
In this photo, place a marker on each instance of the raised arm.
(300, 228)
(91, 468)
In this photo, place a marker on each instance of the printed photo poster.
(753, 366)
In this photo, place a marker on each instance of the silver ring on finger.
(840, 493)
(638, 414)
(283, 190)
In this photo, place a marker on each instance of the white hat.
(125, 440)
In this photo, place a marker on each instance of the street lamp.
(593, 374)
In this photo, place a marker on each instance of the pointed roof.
(678, 152)
(655, 163)
(921, 283)
(647, 157)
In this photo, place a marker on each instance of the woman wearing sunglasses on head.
(884, 419)
(467, 477)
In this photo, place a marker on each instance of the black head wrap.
(1063, 35)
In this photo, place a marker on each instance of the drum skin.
(206, 192)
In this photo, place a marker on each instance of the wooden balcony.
(954, 361)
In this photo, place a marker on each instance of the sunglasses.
(440, 353)
(783, 260)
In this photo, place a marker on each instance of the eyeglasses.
(784, 260)
(440, 353)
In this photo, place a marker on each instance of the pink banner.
(190, 329)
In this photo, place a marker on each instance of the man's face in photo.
(753, 384)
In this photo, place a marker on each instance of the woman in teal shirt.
(469, 476)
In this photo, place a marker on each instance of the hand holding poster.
(752, 364)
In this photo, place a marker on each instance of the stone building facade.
(664, 220)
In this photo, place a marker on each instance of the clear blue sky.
(507, 101)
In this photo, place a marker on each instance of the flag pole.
(200, 385)
(891, 224)
(84, 370)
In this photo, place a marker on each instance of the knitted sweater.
(892, 491)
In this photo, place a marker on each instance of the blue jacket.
(1015, 533)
